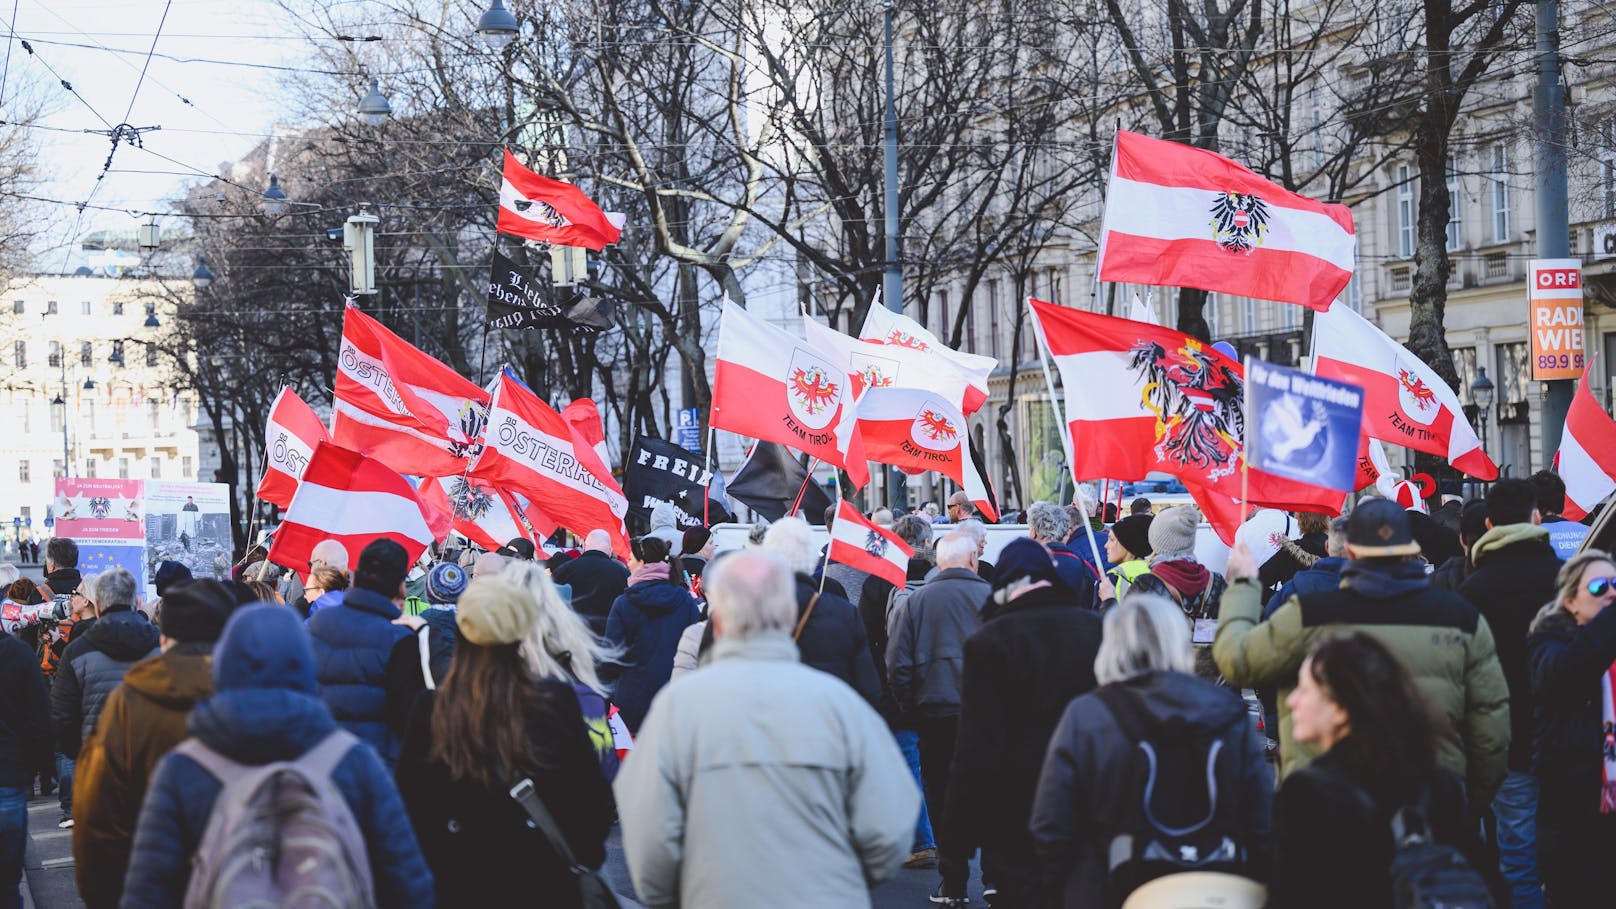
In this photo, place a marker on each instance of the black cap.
(1380, 528)
(518, 548)
(168, 574)
(195, 612)
(382, 567)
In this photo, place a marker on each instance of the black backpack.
(1430, 875)
(1180, 811)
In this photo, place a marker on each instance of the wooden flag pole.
(812, 462)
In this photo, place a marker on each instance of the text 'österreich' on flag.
(883, 326)
(289, 441)
(1405, 401)
(530, 449)
(774, 386)
(1181, 216)
(400, 406)
(355, 500)
(1587, 456)
(858, 543)
(914, 430)
(551, 211)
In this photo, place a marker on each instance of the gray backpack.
(280, 835)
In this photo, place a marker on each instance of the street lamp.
(497, 26)
(373, 108)
(203, 276)
(151, 320)
(273, 200)
(1481, 391)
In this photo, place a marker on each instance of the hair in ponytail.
(650, 550)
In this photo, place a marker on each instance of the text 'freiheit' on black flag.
(660, 472)
(770, 481)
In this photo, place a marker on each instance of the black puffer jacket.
(1567, 661)
(93, 665)
(833, 639)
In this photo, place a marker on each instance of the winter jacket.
(1333, 838)
(1568, 663)
(1088, 773)
(1441, 639)
(596, 712)
(265, 709)
(688, 655)
(646, 622)
(1513, 580)
(833, 639)
(143, 719)
(1451, 575)
(1292, 557)
(758, 781)
(927, 652)
(1565, 536)
(1077, 573)
(873, 600)
(92, 665)
(1325, 574)
(1031, 656)
(1123, 574)
(25, 722)
(665, 525)
(597, 581)
(442, 635)
(324, 601)
(477, 839)
(359, 654)
(1437, 543)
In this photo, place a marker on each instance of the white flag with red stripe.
(872, 365)
(355, 500)
(914, 430)
(289, 441)
(1405, 401)
(1587, 456)
(401, 406)
(771, 385)
(530, 449)
(858, 543)
(1181, 216)
(883, 326)
(480, 512)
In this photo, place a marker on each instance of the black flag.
(770, 481)
(660, 471)
(517, 298)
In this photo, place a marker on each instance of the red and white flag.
(914, 430)
(480, 512)
(1373, 466)
(530, 449)
(289, 442)
(1586, 460)
(551, 211)
(1405, 401)
(401, 406)
(1181, 216)
(355, 500)
(771, 385)
(858, 543)
(584, 418)
(1143, 398)
(871, 365)
(884, 326)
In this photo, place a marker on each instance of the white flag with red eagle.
(1587, 456)
(871, 365)
(399, 405)
(883, 326)
(914, 430)
(1181, 216)
(1405, 401)
(355, 500)
(551, 211)
(289, 441)
(857, 542)
(772, 385)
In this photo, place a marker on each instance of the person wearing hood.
(1034, 652)
(1437, 634)
(665, 525)
(828, 632)
(1571, 652)
(597, 579)
(646, 622)
(1128, 550)
(1515, 568)
(266, 707)
(1088, 769)
(94, 663)
(143, 719)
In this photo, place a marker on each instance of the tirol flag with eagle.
(1181, 216)
(872, 365)
(1143, 398)
(914, 430)
(774, 386)
(551, 211)
(883, 326)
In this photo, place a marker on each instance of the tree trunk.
(1428, 297)
(1191, 313)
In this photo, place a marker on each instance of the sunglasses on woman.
(1598, 587)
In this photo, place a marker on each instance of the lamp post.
(373, 108)
(273, 201)
(1481, 391)
(497, 26)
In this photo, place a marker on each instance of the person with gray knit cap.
(1177, 574)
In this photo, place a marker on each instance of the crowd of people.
(1403, 699)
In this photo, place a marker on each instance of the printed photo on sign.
(1302, 427)
(189, 523)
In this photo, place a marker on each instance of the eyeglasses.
(1598, 587)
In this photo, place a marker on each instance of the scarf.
(1607, 691)
(650, 571)
(1186, 577)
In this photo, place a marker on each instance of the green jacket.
(1441, 638)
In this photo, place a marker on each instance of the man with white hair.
(827, 627)
(1050, 524)
(978, 532)
(821, 808)
(597, 579)
(926, 655)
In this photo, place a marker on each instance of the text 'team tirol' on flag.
(1586, 460)
(289, 439)
(774, 386)
(1405, 401)
(869, 365)
(914, 430)
(355, 500)
(858, 543)
(1142, 398)
(401, 406)
(530, 449)
(883, 326)
(1181, 216)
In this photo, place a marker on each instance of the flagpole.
(825, 563)
(707, 491)
(812, 461)
(1054, 401)
(1245, 452)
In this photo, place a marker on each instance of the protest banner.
(1302, 427)
(659, 472)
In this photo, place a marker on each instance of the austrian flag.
(551, 211)
(1587, 456)
(858, 543)
(289, 442)
(347, 497)
(1181, 216)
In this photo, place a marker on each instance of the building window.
(1497, 265)
(1289, 316)
(123, 468)
(58, 416)
(1610, 189)
(54, 357)
(58, 469)
(1405, 213)
(86, 354)
(157, 468)
(1464, 363)
(1455, 204)
(151, 354)
(1514, 372)
(1248, 315)
(24, 471)
(1400, 279)
(50, 308)
(117, 353)
(89, 468)
(152, 413)
(117, 309)
(18, 307)
(21, 348)
(186, 468)
(151, 310)
(87, 308)
(969, 342)
(1500, 194)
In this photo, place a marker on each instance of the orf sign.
(1554, 311)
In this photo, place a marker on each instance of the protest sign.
(660, 472)
(1302, 427)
